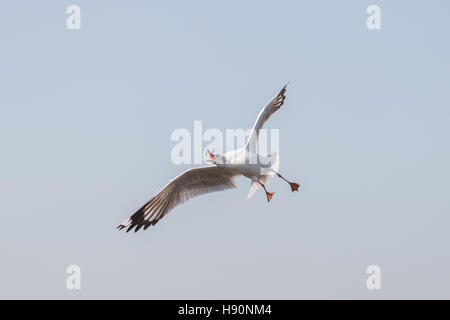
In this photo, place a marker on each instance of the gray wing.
(189, 184)
(270, 108)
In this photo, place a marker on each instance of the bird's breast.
(249, 170)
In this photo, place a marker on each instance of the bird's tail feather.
(266, 175)
(253, 187)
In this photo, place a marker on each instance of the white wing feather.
(273, 105)
(189, 184)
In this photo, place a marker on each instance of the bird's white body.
(251, 165)
(245, 163)
(220, 176)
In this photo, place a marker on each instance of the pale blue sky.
(85, 125)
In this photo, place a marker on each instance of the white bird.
(218, 177)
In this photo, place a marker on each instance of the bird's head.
(215, 158)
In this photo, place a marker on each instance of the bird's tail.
(253, 188)
(266, 174)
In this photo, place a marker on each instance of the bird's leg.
(268, 194)
(294, 186)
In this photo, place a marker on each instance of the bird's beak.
(211, 156)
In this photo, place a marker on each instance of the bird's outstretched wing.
(189, 184)
(272, 106)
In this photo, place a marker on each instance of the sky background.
(85, 124)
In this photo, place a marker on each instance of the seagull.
(219, 176)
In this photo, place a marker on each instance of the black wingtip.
(138, 227)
